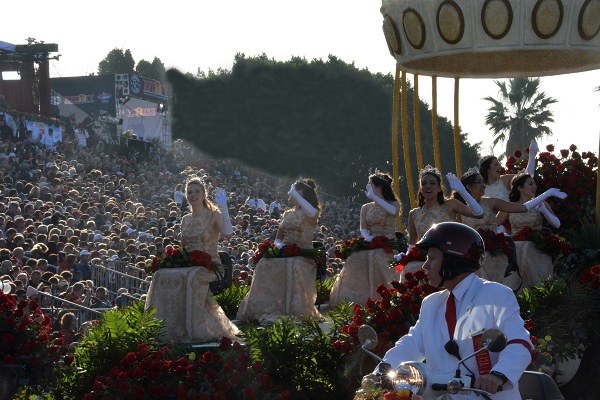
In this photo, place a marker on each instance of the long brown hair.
(440, 195)
(309, 192)
(384, 181)
(516, 182)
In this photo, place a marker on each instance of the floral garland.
(495, 243)
(546, 242)
(376, 392)
(179, 257)
(391, 317)
(415, 254)
(378, 242)
(224, 373)
(270, 250)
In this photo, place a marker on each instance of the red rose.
(518, 153)
(225, 344)
(572, 147)
(249, 393)
(8, 338)
(550, 147)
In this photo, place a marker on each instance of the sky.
(208, 34)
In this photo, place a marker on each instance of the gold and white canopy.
(493, 38)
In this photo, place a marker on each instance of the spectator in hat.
(83, 269)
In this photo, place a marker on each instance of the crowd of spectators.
(66, 205)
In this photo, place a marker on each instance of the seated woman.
(286, 286)
(535, 266)
(365, 270)
(181, 295)
(494, 267)
(435, 208)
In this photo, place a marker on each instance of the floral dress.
(182, 297)
(365, 270)
(493, 267)
(424, 218)
(535, 265)
(284, 286)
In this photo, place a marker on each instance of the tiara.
(470, 172)
(430, 170)
(485, 158)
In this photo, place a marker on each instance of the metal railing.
(55, 307)
(116, 275)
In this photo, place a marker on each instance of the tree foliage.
(520, 114)
(325, 119)
(116, 62)
(151, 70)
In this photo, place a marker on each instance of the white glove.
(551, 218)
(389, 208)
(502, 229)
(221, 199)
(279, 244)
(533, 150)
(399, 256)
(365, 234)
(369, 193)
(542, 197)
(308, 208)
(456, 184)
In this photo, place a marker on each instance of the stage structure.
(30, 93)
(119, 103)
(483, 39)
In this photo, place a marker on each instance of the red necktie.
(451, 315)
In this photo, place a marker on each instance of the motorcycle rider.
(454, 252)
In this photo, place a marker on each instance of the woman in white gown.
(365, 270)
(286, 286)
(494, 267)
(498, 184)
(535, 266)
(181, 295)
(435, 208)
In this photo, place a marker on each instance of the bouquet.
(26, 347)
(378, 242)
(391, 317)
(179, 257)
(415, 254)
(495, 243)
(544, 241)
(270, 250)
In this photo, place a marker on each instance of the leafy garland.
(270, 250)
(378, 242)
(546, 242)
(179, 257)
(495, 243)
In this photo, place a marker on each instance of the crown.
(470, 172)
(430, 170)
(485, 158)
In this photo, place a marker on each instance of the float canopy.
(493, 38)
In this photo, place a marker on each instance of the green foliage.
(520, 114)
(230, 298)
(151, 70)
(325, 119)
(116, 62)
(563, 316)
(324, 289)
(118, 333)
(299, 354)
(585, 250)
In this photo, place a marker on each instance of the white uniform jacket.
(480, 305)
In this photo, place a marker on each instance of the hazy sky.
(207, 34)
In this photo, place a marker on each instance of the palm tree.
(520, 114)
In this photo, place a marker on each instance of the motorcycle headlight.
(411, 373)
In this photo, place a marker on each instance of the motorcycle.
(420, 378)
